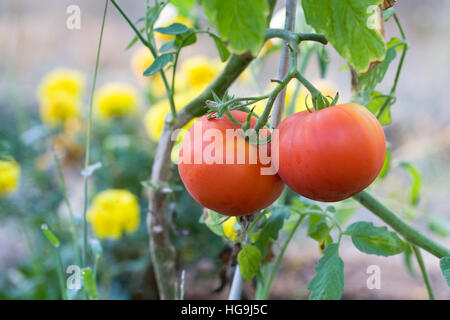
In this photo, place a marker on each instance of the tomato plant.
(331, 154)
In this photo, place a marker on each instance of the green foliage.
(271, 227)
(221, 47)
(159, 63)
(328, 283)
(249, 259)
(348, 26)
(386, 165)
(369, 80)
(445, 267)
(376, 102)
(213, 221)
(375, 240)
(242, 23)
(184, 6)
(416, 183)
(89, 283)
(173, 29)
(54, 241)
(319, 228)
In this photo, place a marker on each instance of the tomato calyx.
(321, 102)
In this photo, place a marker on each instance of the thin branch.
(423, 270)
(409, 233)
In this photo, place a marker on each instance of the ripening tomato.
(222, 171)
(331, 154)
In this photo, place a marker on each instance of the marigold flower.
(59, 94)
(156, 115)
(115, 100)
(9, 176)
(199, 72)
(114, 212)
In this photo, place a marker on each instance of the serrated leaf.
(439, 225)
(242, 23)
(319, 228)
(158, 64)
(445, 267)
(249, 260)
(173, 29)
(369, 80)
(51, 237)
(271, 228)
(328, 283)
(416, 183)
(377, 100)
(375, 240)
(348, 26)
(89, 284)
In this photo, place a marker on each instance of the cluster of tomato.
(325, 155)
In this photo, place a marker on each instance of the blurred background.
(34, 41)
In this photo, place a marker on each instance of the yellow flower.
(9, 176)
(59, 108)
(114, 212)
(60, 80)
(229, 228)
(116, 100)
(59, 94)
(156, 115)
(199, 72)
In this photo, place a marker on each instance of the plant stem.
(289, 35)
(423, 270)
(153, 51)
(88, 138)
(409, 233)
(73, 228)
(236, 285)
(291, 10)
(59, 270)
(276, 266)
(399, 68)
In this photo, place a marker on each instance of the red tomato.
(233, 187)
(331, 154)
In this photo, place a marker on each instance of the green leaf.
(213, 221)
(54, 241)
(185, 39)
(445, 267)
(170, 45)
(271, 227)
(89, 283)
(319, 227)
(377, 100)
(369, 80)
(249, 259)
(328, 283)
(347, 26)
(416, 183)
(242, 23)
(407, 259)
(375, 240)
(184, 6)
(158, 64)
(386, 165)
(221, 48)
(439, 225)
(173, 29)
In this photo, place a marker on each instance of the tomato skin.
(331, 154)
(229, 189)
